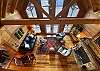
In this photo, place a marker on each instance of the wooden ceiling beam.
(66, 7)
(40, 9)
(40, 16)
(48, 21)
(38, 12)
(52, 7)
(65, 12)
(4, 4)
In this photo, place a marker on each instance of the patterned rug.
(45, 48)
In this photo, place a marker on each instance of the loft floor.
(48, 62)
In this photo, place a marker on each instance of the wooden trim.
(48, 21)
(52, 7)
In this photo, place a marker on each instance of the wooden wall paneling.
(4, 36)
(95, 5)
(8, 6)
(85, 3)
(1, 5)
(83, 6)
(4, 8)
(21, 7)
(11, 28)
(13, 5)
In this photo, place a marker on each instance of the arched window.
(30, 10)
(73, 10)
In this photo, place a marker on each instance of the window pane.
(45, 6)
(58, 9)
(34, 12)
(48, 28)
(55, 28)
(44, 15)
(52, 28)
(73, 10)
(30, 10)
(59, 5)
(36, 28)
(45, 2)
(29, 14)
(67, 28)
(46, 9)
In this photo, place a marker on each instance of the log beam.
(41, 9)
(48, 21)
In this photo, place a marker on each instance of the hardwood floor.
(49, 62)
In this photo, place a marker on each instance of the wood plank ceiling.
(60, 18)
(21, 5)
